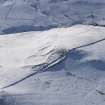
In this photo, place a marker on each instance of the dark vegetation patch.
(26, 28)
(100, 92)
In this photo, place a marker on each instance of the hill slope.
(31, 15)
(56, 67)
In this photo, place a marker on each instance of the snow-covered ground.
(30, 15)
(61, 66)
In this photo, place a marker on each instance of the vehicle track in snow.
(10, 9)
(58, 60)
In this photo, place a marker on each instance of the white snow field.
(29, 15)
(61, 66)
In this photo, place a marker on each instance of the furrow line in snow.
(45, 68)
(58, 60)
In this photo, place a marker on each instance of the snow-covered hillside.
(61, 66)
(30, 15)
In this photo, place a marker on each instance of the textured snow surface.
(29, 15)
(68, 66)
